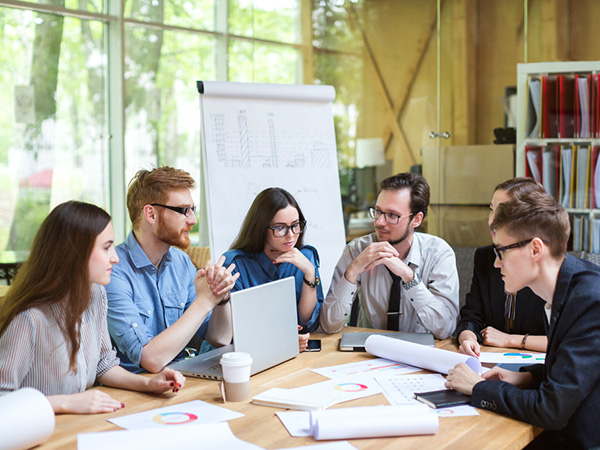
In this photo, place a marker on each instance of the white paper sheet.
(512, 357)
(434, 359)
(339, 445)
(370, 367)
(348, 388)
(189, 413)
(205, 437)
(596, 234)
(534, 157)
(582, 183)
(457, 411)
(597, 184)
(549, 170)
(533, 108)
(584, 107)
(290, 399)
(566, 155)
(401, 390)
(297, 423)
(26, 419)
(373, 421)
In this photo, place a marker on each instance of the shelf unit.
(582, 217)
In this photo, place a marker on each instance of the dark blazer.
(567, 392)
(484, 304)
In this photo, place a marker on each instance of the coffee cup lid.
(236, 358)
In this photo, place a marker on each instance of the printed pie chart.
(350, 387)
(174, 418)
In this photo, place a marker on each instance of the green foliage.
(32, 208)
(65, 59)
(273, 21)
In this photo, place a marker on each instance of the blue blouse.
(256, 269)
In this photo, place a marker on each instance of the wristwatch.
(411, 284)
(312, 284)
(225, 299)
(524, 341)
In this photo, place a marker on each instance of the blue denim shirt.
(143, 302)
(256, 269)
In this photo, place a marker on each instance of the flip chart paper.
(373, 421)
(26, 419)
(256, 136)
(434, 359)
(371, 367)
(205, 437)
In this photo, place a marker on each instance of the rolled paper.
(26, 419)
(371, 411)
(434, 359)
(371, 422)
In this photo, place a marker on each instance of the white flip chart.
(256, 136)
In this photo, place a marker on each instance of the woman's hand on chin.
(295, 257)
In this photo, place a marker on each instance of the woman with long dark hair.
(270, 247)
(53, 331)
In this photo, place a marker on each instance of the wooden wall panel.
(585, 45)
(500, 30)
(399, 34)
(482, 42)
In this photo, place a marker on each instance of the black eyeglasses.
(499, 250)
(282, 230)
(390, 218)
(185, 210)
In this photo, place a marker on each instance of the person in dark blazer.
(491, 315)
(563, 394)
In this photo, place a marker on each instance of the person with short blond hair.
(157, 300)
(562, 395)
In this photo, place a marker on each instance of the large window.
(55, 140)
(53, 136)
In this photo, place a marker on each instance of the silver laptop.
(264, 321)
(355, 341)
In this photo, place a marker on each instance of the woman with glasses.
(53, 330)
(270, 247)
(490, 315)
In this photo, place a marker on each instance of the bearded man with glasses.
(402, 280)
(157, 300)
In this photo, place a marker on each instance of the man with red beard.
(404, 280)
(157, 300)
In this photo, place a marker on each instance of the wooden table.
(261, 426)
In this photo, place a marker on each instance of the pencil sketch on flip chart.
(260, 143)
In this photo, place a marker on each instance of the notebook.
(264, 322)
(355, 341)
(443, 398)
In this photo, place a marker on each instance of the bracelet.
(524, 340)
(412, 283)
(225, 299)
(312, 284)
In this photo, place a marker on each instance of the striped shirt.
(34, 353)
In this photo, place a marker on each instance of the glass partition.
(53, 136)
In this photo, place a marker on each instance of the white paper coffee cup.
(236, 366)
(236, 375)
